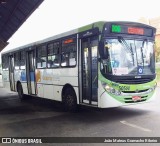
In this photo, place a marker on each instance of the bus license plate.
(136, 98)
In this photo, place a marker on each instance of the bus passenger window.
(22, 60)
(17, 60)
(53, 55)
(65, 60)
(5, 62)
(41, 57)
(68, 57)
(72, 60)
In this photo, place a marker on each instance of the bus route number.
(124, 88)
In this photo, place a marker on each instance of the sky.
(57, 16)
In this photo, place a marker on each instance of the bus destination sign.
(131, 30)
(135, 30)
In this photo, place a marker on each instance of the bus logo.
(140, 70)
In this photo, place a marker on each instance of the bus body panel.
(5, 78)
(20, 76)
(50, 82)
(40, 91)
(6, 85)
(60, 76)
(48, 91)
(107, 101)
(25, 87)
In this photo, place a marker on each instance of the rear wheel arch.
(69, 98)
(20, 90)
(18, 82)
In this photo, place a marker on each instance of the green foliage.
(158, 74)
(157, 50)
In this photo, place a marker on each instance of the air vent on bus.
(134, 81)
(139, 91)
(129, 100)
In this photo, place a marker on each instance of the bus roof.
(98, 24)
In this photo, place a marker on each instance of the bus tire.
(20, 91)
(70, 100)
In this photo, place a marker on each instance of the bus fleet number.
(122, 88)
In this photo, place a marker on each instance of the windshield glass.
(128, 57)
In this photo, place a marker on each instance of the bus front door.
(31, 72)
(89, 49)
(11, 72)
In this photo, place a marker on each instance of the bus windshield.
(122, 56)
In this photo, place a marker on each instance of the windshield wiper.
(126, 46)
(132, 53)
(145, 40)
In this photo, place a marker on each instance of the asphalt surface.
(45, 118)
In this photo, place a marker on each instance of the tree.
(157, 49)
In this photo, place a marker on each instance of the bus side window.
(41, 57)
(68, 57)
(17, 60)
(53, 55)
(22, 60)
(72, 55)
(5, 62)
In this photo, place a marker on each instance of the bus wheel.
(20, 91)
(70, 100)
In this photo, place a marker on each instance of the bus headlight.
(152, 88)
(110, 89)
(155, 85)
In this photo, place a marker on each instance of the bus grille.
(134, 81)
(139, 91)
(129, 100)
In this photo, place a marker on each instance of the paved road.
(38, 117)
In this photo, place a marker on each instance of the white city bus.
(104, 64)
